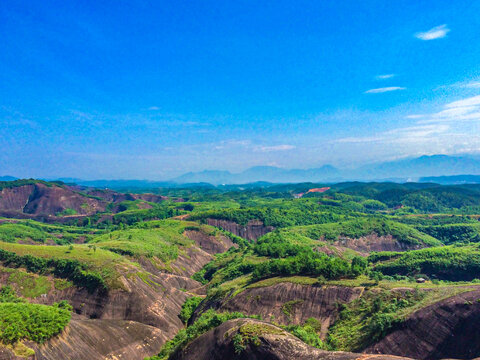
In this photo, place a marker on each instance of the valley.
(385, 269)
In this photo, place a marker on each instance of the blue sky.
(152, 89)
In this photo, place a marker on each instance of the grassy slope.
(29, 230)
(366, 226)
(109, 265)
(447, 262)
(161, 239)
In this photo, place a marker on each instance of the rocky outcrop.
(374, 242)
(116, 197)
(41, 200)
(261, 341)
(132, 322)
(45, 200)
(102, 339)
(447, 329)
(150, 299)
(252, 231)
(208, 243)
(288, 303)
(15, 199)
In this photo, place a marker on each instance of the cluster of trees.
(370, 318)
(72, 270)
(454, 233)
(276, 245)
(310, 263)
(134, 216)
(189, 307)
(454, 263)
(276, 217)
(23, 182)
(421, 197)
(10, 232)
(20, 320)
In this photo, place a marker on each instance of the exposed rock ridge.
(271, 343)
(289, 303)
(252, 231)
(447, 329)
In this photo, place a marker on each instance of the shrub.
(189, 307)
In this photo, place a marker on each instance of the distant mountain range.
(401, 170)
(452, 180)
(443, 169)
(262, 173)
(7, 178)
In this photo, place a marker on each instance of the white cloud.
(384, 89)
(400, 135)
(153, 108)
(283, 147)
(469, 84)
(471, 101)
(437, 32)
(384, 76)
(465, 110)
(414, 116)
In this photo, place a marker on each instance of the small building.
(420, 280)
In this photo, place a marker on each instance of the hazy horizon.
(138, 90)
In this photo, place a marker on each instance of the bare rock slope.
(258, 341)
(252, 231)
(447, 329)
(289, 303)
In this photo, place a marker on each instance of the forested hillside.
(151, 272)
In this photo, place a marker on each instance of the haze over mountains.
(401, 170)
(436, 168)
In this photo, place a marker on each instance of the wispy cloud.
(384, 76)
(282, 147)
(465, 110)
(384, 89)
(473, 84)
(469, 84)
(454, 127)
(247, 146)
(437, 32)
(153, 108)
(471, 101)
(402, 135)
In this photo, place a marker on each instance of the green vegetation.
(308, 333)
(23, 182)
(67, 212)
(23, 321)
(27, 284)
(163, 241)
(370, 318)
(130, 217)
(288, 307)
(279, 214)
(189, 307)
(29, 231)
(249, 334)
(306, 263)
(365, 226)
(79, 264)
(455, 263)
(436, 226)
(13, 232)
(454, 233)
(208, 320)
